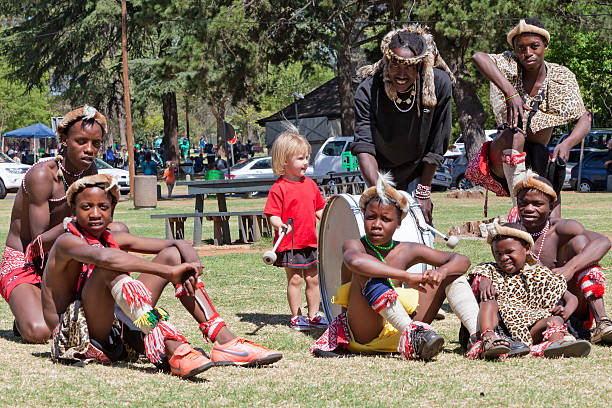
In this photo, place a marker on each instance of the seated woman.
(517, 292)
(381, 317)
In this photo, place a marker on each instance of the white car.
(459, 147)
(122, 176)
(255, 167)
(11, 174)
(329, 156)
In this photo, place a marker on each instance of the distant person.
(296, 196)
(249, 146)
(109, 155)
(170, 176)
(220, 164)
(198, 165)
(149, 165)
(202, 144)
(188, 168)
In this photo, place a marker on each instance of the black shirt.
(402, 141)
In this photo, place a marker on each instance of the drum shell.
(342, 220)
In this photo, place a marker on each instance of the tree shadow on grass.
(260, 320)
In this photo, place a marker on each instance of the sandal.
(493, 345)
(567, 348)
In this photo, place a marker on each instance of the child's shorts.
(302, 258)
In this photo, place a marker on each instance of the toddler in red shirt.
(296, 196)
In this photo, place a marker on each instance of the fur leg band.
(407, 341)
(592, 282)
(154, 340)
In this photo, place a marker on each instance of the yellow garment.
(389, 337)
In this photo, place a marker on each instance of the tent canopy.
(37, 131)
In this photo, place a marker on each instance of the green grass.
(252, 299)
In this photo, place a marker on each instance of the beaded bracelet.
(507, 98)
(422, 192)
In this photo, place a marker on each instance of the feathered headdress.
(385, 190)
(85, 112)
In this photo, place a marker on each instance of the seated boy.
(88, 265)
(380, 317)
(522, 295)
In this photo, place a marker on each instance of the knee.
(169, 256)
(34, 332)
(295, 279)
(117, 226)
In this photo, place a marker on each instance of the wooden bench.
(250, 225)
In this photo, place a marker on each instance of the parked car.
(122, 176)
(329, 156)
(594, 175)
(255, 167)
(459, 146)
(458, 164)
(595, 141)
(11, 175)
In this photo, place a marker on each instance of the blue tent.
(37, 131)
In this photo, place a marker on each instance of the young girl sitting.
(295, 196)
(522, 295)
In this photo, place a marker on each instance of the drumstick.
(451, 241)
(269, 257)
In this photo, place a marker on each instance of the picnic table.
(220, 188)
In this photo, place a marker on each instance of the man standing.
(403, 113)
(529, 97)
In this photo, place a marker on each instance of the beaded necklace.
(376, 249)
(410, 100)
(75, 175)
(544, 231)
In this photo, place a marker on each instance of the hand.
(426, 208)
(432, 277)
(487, 292)
(283, 225)
(186, 274)
(567, 273)
(560, 311)
(561, 150)
(515, 111)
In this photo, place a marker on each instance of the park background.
(195, 64)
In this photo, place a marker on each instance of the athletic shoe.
(319, 321)
(299, 323)
(187, 362)
(243, 353)
(427, 344)
(603, 332)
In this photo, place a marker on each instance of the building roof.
(323, 101)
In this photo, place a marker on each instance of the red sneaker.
(187, 362)
(243, 353)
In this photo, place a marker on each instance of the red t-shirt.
(298, 200)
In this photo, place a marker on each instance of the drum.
(342, 220)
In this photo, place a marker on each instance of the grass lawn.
(252, 299)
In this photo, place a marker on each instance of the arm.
(39, 185)
(488, 68)
(570, 303)
(487, 290)
(69, 247)
(133, 243)
(589, 247)
(582, 128)
(277, 223)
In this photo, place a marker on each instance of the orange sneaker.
(187, 362)
(243, 353)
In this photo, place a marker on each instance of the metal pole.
(296, 111)
(580, 165)
(126, 97)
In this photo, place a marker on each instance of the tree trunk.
(187, 119)
(218, 111)
(345, 89)
(121, 121)
(470, 112)
(170, 140)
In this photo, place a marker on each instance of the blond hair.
(286, 145)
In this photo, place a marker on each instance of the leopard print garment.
(561, 102)
(525, 297)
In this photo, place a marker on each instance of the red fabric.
(336, 336)
(298, 200)
(389, 296)
(14, 271)
(87, 269)
(514, 159)
(478, 171)
(513, 215)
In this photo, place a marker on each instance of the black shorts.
(536, 159)
(302, 258)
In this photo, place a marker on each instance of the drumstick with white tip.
(269, 257)
(451, 241)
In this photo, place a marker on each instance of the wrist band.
(507, 98)
(422, 192)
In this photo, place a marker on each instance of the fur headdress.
(498, 230)
(428, 59)
(84, 112)
(385, 190)
(104, 181)
(529, 179)
(524, 27)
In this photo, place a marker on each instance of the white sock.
(461, 299)
(395, 314)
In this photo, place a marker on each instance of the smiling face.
(93, 210)
(534, 208)
(510, 254)
(529, 48)
(82, 143)
(402, 75)
(380, 222)
(296, 166)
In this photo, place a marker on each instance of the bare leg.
(430, 301)
(538, 328)
(294, 290)
(505, 140)
(313, 298)
(365, 323)
(487, 316)
(26, 306)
